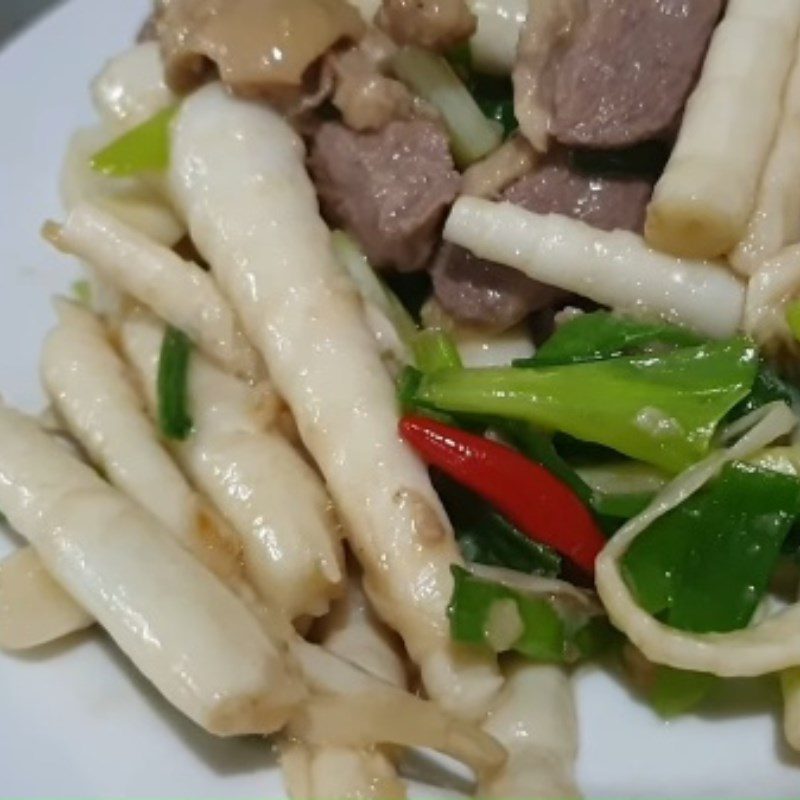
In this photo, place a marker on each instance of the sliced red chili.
(539, 504)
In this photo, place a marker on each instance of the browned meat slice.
(485, 293)
(629, 69)
(390, 189)
(366, 98)
(433, 24)
(259, 47)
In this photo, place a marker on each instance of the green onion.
(82, 292)
(173, 387)
(494, 94)
(472, 135)
(145, 148)
(371, 287)
(434, 350)
(490, 615)
(793, 318)
(542, 634)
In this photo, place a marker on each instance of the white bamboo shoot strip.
(177, 290)
(185, 631)
(131, 88)
(137, 203)
(707, 193)
(270, 496)
(769, 645)
(769, 291)
(238, 175)
(88, 385)
(352, 632)
(775, 221)
(346, 773)
(614, 268)
(487, 178)
(493, 46)
(34, 609)
(349, 707)
(535, 720)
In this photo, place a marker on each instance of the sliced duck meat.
(603, 201)
(390, 189)
(480, 292)
(433, 24)
(629, 69)
(485, 293)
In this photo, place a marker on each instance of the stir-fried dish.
(427, 349)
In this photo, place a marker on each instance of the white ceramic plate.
(76, 720)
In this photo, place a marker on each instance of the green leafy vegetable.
(705, 566)
(486, 537)
(767, 388)
(660, 409)
(602, 335)
(412, 289)
(538, 447)
(621, 506)
(173, 389)
(647, 159)
(542, 633)
(676, 691)
(145, 148)
(495, 97)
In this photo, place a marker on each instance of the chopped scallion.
(145, 148)
(173, 394)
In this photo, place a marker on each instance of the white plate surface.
(75, 720)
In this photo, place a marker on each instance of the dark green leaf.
(486, 537)
(412, 289)
(494, 94)
(602, 335)
(705, 566)
(647, 159)
(767, 388)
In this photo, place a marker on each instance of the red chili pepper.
(539, 504)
